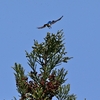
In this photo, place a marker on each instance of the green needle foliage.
(48, 81)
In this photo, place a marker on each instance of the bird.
(50, 23)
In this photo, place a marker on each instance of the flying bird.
(50, 23)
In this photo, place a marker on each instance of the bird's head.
(49, 22)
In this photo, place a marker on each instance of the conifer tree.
(48, 81)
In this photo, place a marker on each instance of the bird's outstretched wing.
(42, 26)
(54, 21)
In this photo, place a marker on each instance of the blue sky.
(19, 20)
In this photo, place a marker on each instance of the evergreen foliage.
(48, 81)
